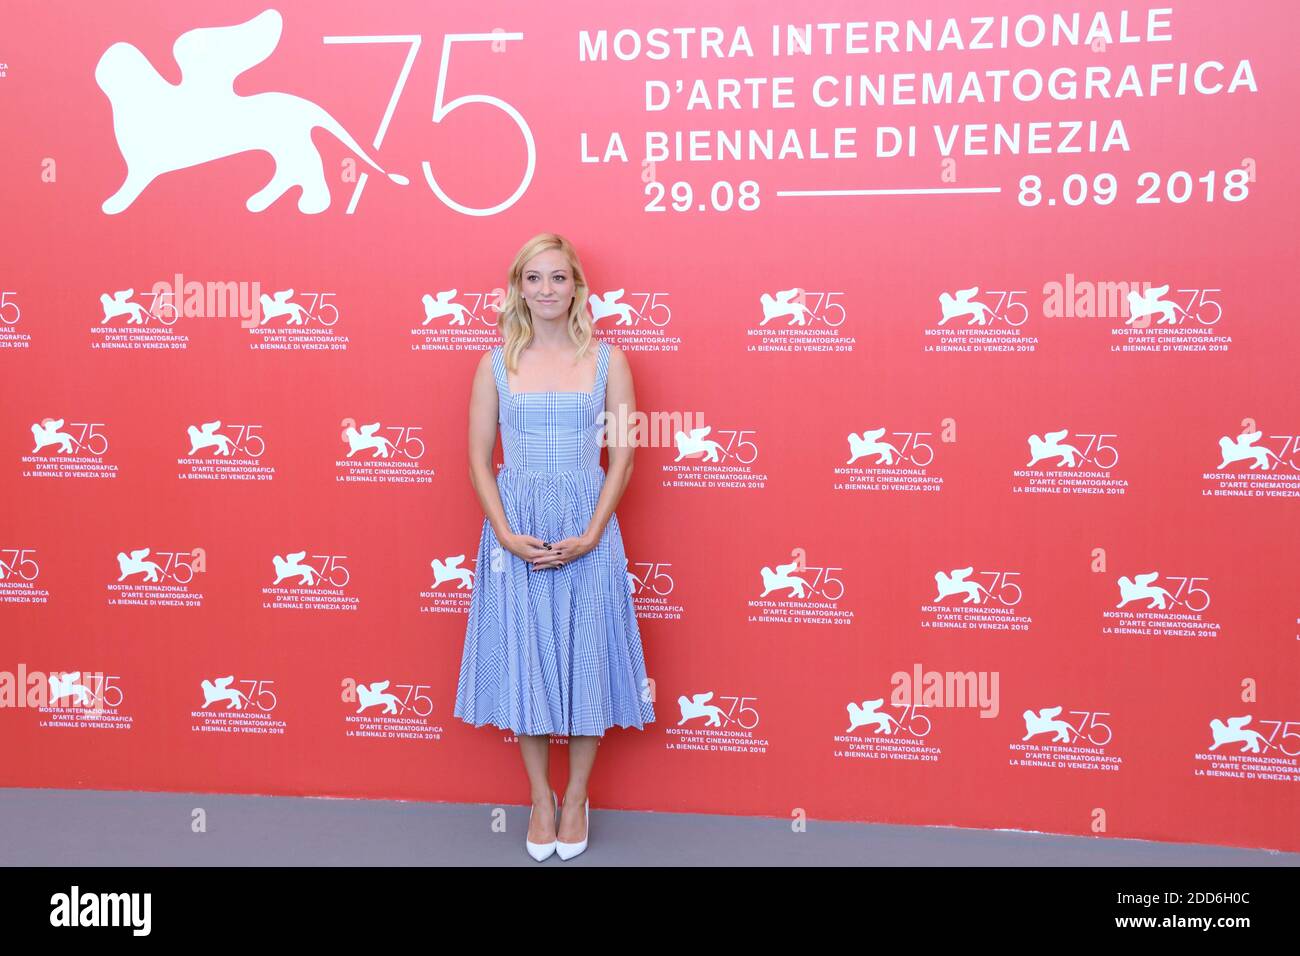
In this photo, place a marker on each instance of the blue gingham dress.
(553, 651)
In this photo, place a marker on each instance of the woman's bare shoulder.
(484, 369)
(617, 358)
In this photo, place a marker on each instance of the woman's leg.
(582, 754)
(536, 751)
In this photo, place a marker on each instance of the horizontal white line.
(889, 192)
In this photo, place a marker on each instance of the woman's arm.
(620, 405)
(483, 411)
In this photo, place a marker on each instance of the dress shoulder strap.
(499, 368)
(602, 367)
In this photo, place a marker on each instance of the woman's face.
(547, 285)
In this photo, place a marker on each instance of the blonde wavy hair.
(516, 322)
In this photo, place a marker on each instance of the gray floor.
(128, 828)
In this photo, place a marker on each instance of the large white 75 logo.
(442, 109)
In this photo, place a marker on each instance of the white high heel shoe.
(540, 851)
(568, 851)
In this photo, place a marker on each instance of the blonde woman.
(552, 644)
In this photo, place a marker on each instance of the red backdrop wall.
(886, 345)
